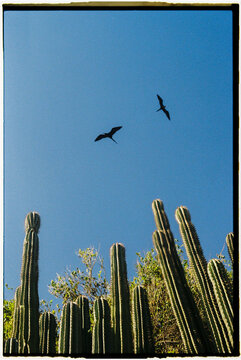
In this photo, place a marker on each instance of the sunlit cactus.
(183, 305)
(198, 265)
(47, 334)
(141, 319)
(101, 333)
(70, 340)
(221, 284)
(29, 300)
(230, 245)
(120, 301)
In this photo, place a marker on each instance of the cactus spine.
(198, 266)
(230, 243)
(29, 300)
(83, 304)
(47, 333)
(120, 301)
(70, 340)
(141, 319)
(221, 285)
(11, 347)
(16, 314)
(101, 329)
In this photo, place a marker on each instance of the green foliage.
(8, 312)
(90, 281)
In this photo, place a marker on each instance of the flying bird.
(162, 107)
(109, 134)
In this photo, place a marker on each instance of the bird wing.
(114, 129)
(167, 113)
(160, 100)
(99, 137)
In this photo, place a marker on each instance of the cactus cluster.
(124, 326)
(212, 281)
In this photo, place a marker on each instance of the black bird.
(109, 134)
(162, 107)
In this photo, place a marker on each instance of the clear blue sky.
(70, 75)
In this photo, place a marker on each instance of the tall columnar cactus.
(29, 319)
(83, 303)
(47, 333)
(120, 301)
(11, 347)
(101, 333)
(230, 243)
(183, 305)
(198, 266)
(141, 319)
(16, 314)
(70, 339)
(221, 284)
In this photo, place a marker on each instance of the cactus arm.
(230, 245)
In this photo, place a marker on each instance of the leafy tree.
(8, 310)
(90, 282)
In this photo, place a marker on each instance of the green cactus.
(120, 302)
(230, 243)
(11, 347)
(183, 305)
(83, 303)
(47, 333)
(221, 285)
(70, 339)
(15, 331)
(198, 265)
(29, 319)
(101, 334)
(141, 319)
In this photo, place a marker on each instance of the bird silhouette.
(162, 107)
(109, 134)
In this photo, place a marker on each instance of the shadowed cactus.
(29, 300)
(16, 314)
(11, 347)
(198, 265)
(101, 334)
(141, 319)
(83, 304)
(47, 333)
(120, 302)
